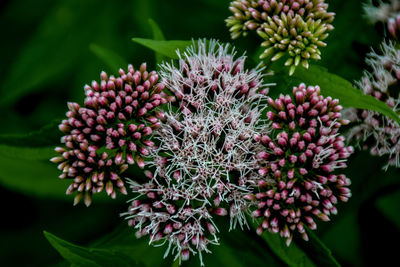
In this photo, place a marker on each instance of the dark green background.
(45, 59)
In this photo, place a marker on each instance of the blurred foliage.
(50, 49)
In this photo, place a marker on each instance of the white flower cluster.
(205, 154)
(379, 133)
(386, 12)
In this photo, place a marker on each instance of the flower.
(204, 158)
(376, 132)
(111, 131)
(299, 163)
(293, 27)
(388, 13)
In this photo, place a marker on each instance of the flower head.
(293, 27)
(203, 163)
(110, 132)
(388, 13)
(299, 163)
(378, 133)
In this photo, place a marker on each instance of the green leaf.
(331, 85)
(343, 236)
(56, 58)
(345, 50)
(159, 36)
(25, 165)
(48, 135)
(142, 10)
(237, 249)
(317, 250)
(293, 256)
(165, 48)
(389, 206)
(157, 33)
(29, 171)
(53, 49)
(123, 240)
(110, 58)
(82, 256)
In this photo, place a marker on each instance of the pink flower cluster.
(110, 132)
(296, 28)
(298, 163)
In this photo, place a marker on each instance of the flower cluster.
(206, 153)
(377, 132)
(109, 132)
(214, 148)
(293, 27)
(298, 163)
(388, 13)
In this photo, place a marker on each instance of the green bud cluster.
(293, 27)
